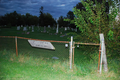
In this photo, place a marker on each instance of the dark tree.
(41, 17)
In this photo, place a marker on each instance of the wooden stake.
(99, 57)
(73, 52)
(16, 46)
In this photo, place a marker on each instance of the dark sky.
(55, 7)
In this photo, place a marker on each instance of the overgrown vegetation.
(32, 68)
(37, 64)
(92, 19)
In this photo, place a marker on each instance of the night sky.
(56, 8)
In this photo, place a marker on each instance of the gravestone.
(75, 29)
(65, 28)
(18, 27)
(29, 27)
(57, 28)
(32, 28)
(55, 57)
(24, 28)
(68, 28)
(44, 28)
(72, 29)
(38, 28)
(21, 25)
(48, 26)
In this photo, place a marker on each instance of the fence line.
(87, 43)
(49, 40)
(71, 51)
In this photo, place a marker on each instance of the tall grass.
(26, 67)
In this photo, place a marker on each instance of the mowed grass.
(37, 64)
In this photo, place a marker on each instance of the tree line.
(44, 19)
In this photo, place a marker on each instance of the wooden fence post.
(73, 52)
(16, 46)
(70, 52)
(103, 52)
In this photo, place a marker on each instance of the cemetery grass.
(37, 64)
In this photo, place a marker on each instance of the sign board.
(41, 44)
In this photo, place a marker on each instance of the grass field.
(37, 64)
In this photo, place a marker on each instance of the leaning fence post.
(16, 45)
(103, 52)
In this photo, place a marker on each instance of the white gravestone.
(48, 26)
(65, 28)
(24, 28)
(41, 44)
(57, 28)
(18, 27)
(21, 25)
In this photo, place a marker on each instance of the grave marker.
(32, 28)
(65, 28)
(44, 28)
(21, 25)
(24, 28)
(75, 29)
(68, 28)
(48, 26)
(29, 27)
(57, 28)
(18, 27)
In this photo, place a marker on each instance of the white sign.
(41, 44)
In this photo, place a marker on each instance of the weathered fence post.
(70, 52)
(103, 53)
(73, 52)
(16, 46)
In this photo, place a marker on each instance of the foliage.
(61, 21)
(45, 19)
(15, 19)
(92, 19)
